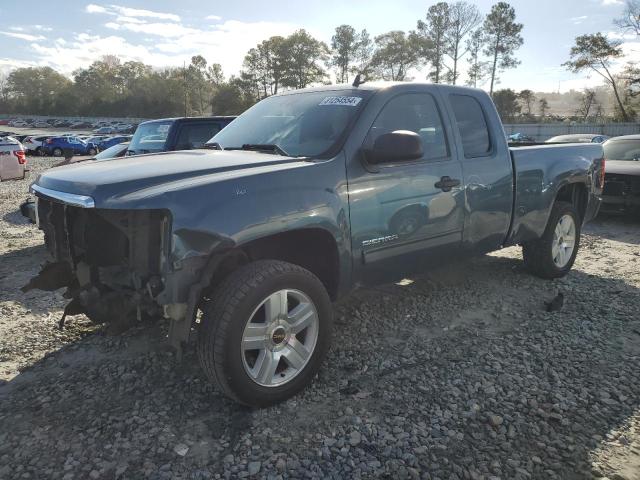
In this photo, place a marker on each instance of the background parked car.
(520, 138)
(105, 130)
(41, 124)
(18, 123)
(579, 138)
(94, 138)
(622, 175)
(55, 146)
(111, 141)
(13, 160)
(183, 133)
(33, 144)
(115, 151)
(78, 125)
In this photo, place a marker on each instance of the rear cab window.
(196, 134)
(472, 125)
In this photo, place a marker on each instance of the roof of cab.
(375, 86)
(174, 119)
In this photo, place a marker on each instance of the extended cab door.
(487, 170)
(403, 213)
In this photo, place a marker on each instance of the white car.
(13, 159)
(34, 144)
(18, 123)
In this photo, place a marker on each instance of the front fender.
(213, 219)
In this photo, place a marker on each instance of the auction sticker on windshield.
(348, 101)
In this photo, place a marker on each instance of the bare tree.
(587, 102)
(502, 38)
(463, 19)
(4, 86)
(527, 97)
(477, 67)
(433, 35)
(543, 107)
(595, 53)
(630, 19)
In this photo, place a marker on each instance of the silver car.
(13, 159)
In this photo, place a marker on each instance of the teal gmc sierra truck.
(304, 197)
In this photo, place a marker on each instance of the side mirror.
(398, 146)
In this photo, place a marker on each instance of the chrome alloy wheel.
(279, 338)
(564, 241)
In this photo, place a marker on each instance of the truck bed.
(540, 173)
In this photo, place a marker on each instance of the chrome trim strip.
(83, 201)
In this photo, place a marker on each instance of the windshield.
(150, 137)
(302, 124)
(622, 150)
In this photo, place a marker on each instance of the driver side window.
(418, 113)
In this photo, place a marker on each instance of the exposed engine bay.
(110, 261)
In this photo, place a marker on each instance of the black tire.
(537, 254)
(92, 151)
(57, 152)
(229, 310)
(38, 151)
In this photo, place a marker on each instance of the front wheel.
(552, 255)
(92, 151)
(57, 152)
(265, 332)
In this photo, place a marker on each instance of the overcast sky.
(71, 34)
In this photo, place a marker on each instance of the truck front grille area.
(133, 239)
(616, 185)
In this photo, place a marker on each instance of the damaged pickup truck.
(306, 196)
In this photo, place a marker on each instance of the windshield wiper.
(262, 147)
(212, 146)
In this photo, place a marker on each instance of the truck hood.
(623, 167)
(155, 173)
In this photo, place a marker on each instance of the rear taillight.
(22, 158)
(602, 172)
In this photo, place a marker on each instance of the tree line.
(450, 34)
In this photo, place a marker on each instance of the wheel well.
(575, 193)
(314, 249)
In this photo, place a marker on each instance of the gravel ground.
(461, 374)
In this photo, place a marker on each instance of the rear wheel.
(57, 152)
(265, 332)
(92, 151)
(553, 254)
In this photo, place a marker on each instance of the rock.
(355, 438)
(253, 468)
(496, 420)
(181, 449)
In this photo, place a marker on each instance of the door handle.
(447, 183)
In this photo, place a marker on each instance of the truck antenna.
(357, 81)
